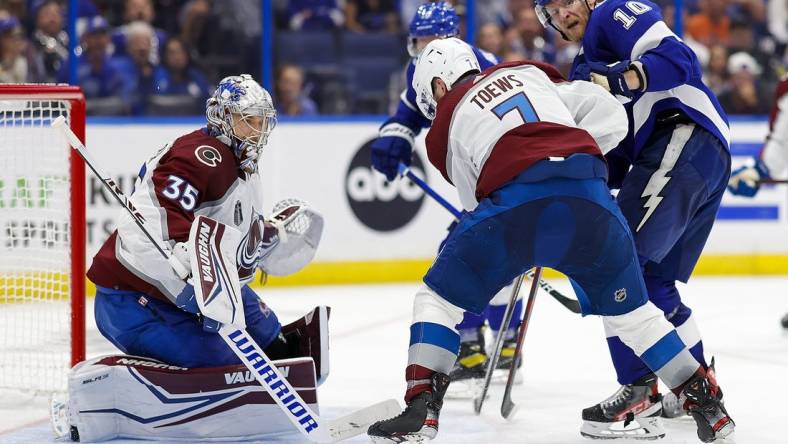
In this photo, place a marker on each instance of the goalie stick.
(570, 304)
(312, 426)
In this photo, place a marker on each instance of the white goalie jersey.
(195, 175)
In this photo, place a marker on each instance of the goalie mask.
(446, 59)
(241, 114)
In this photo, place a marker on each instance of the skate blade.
(639, 428)
(465, 389)
(423, 435)
(501, 376)
(58, 417)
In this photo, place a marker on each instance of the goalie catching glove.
(299, 228)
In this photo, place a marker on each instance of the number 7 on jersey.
(519, 102)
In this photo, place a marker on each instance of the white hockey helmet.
(446, 59)
(243, 97)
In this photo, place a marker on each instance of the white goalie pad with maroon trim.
(133, 397)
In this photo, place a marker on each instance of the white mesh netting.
(35, 252)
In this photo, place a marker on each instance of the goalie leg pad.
(141, 325)
(133, 397)
(309, 335)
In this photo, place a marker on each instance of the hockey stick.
(493, 362)
(310, 425)
(772, 181)
(571, 304)
(508, 407)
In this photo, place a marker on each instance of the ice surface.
(566, 364)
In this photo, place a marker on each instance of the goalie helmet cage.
(42, 238)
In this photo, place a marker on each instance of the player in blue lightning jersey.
(395, 144)
(678, 151)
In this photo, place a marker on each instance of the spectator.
(711, 24)
(177, 75)
(98, 74)
(528, 37)
(290, 97)
(717, 70)
(745, 94)
(49, 41)
(490, 39)
(13, 64)
(311, 15)
(140, 38)
(198, 23)
(371, 16)
(139, 11)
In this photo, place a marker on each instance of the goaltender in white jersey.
(179, 379)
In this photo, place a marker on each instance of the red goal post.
(42, 237)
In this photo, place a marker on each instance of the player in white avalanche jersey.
(432, 21)
(677, 147)
(772, 163)
(524, 149)
(183, 381)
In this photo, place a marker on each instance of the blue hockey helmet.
(436, 19)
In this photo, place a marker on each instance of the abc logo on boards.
(377, 203)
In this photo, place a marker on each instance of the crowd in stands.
(145, 57)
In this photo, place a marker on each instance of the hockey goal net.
(42, 238)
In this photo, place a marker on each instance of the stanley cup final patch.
(238, 215)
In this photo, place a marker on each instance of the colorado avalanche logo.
(256, 243)
(208, 155)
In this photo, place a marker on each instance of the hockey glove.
(393, 145)
(187, 302)
(299, 228)
(611, 77)
(744, 180)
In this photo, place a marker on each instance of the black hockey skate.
(703, 400)
(419, 420)
(785, 321)
(467, 376)
(632, 412)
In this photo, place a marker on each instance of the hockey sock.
(470, 321)
(433, 348)
(495, 315)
